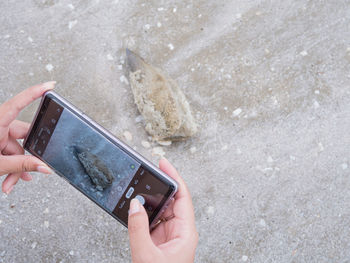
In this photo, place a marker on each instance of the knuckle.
(26, 165)
(2, 166)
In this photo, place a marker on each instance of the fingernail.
(134, 206)
(163, 159)
(49, 84)
(9, 190)
(44, 169)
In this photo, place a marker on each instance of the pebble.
(158, 151)
(174, 10)
(244, 258)
(193, 149)
(49, 67)
(344, 166)
(123, 79)
(316, 104)
(71, 6)
(147, 26)
(46, 211)
(269, 159)
(159, 24)
(238, 151)
(71, 24)
(164, 143)
(71, 253)
(225, 147)
(139, 119)
(262, 222)
(304, 53)
(127, 135)
(110, 57)
(238, 16)
(236, 112)
(30, 39)
(34, 245)
(320, 147)
(171, 46)
(317, 91)
(46, 224)
(210, 210)
(146, 144)
(292, 157)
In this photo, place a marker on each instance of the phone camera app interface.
(93, 164)
(148, 189)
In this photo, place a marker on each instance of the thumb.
(141, 243)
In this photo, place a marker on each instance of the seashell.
(100, 175)
(164, 107)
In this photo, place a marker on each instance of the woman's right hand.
(175, 239)
(13, 162)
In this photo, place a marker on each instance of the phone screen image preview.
(93, 164)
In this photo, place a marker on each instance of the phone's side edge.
(34, 119)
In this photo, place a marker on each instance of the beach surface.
(269, 86)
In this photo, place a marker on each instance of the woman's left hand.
(13, 162)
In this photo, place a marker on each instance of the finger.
(11, 108)
(183, 207)
(13, 147)
(10, 181)
(22, 163)
(169, 211)
(26, 176)
(138, 226)
(167, 168)
(19, 129)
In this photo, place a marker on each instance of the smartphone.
(91, 159)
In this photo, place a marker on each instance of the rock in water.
(100, 175)
(163, 105)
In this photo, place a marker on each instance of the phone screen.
(93, 163)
